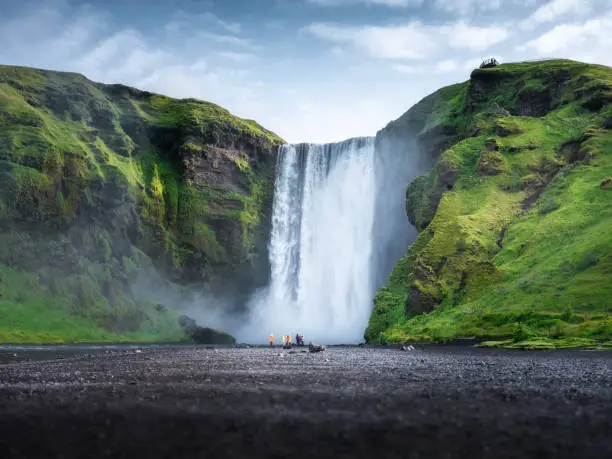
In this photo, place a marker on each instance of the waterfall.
(321, 244)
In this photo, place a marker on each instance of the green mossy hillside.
(100, 182)
(32, 312)
(514, 244)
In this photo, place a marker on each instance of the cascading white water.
(321, 244)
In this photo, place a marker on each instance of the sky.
(309, 70)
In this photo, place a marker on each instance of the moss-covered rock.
(491, 161)
(98, 181)
(512, 215)
(204, 335)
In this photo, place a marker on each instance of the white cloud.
(446, 66)
(237, 56)
(233, 27)
(389, 3)
(49, 35)
(225, 39)
(464, 7)
(122, 56)
(335, 117)
(401, 42)
(407, 69)
(464, 36)
(557, 9)
(414, 40)
(182, 20)
(337, 51)
(590, 41)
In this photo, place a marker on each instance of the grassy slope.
(73, 151)
(518, 250)
(30, 314)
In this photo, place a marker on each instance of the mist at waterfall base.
(328, 254)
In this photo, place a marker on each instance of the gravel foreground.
(433, 402)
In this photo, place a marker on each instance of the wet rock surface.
(432, 402)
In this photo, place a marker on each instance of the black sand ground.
(346, 402)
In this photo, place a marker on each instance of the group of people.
(287, 341)
(299, 340)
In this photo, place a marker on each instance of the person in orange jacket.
(271, 339)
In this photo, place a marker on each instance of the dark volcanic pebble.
(434, 402)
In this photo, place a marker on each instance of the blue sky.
(310, 70)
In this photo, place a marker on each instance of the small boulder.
(606, 184)
(505, 128)
(204, 335)
(491, 162)
(316, 348)
(491, 145)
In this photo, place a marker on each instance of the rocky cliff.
(101, 184)
(514, 214)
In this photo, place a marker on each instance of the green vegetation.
(35, 313)
(97, 181)
(204, 118)
(514, 245)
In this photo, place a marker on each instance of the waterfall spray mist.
(321, 245)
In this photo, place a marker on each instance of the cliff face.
(512, 215)
(103, 183)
